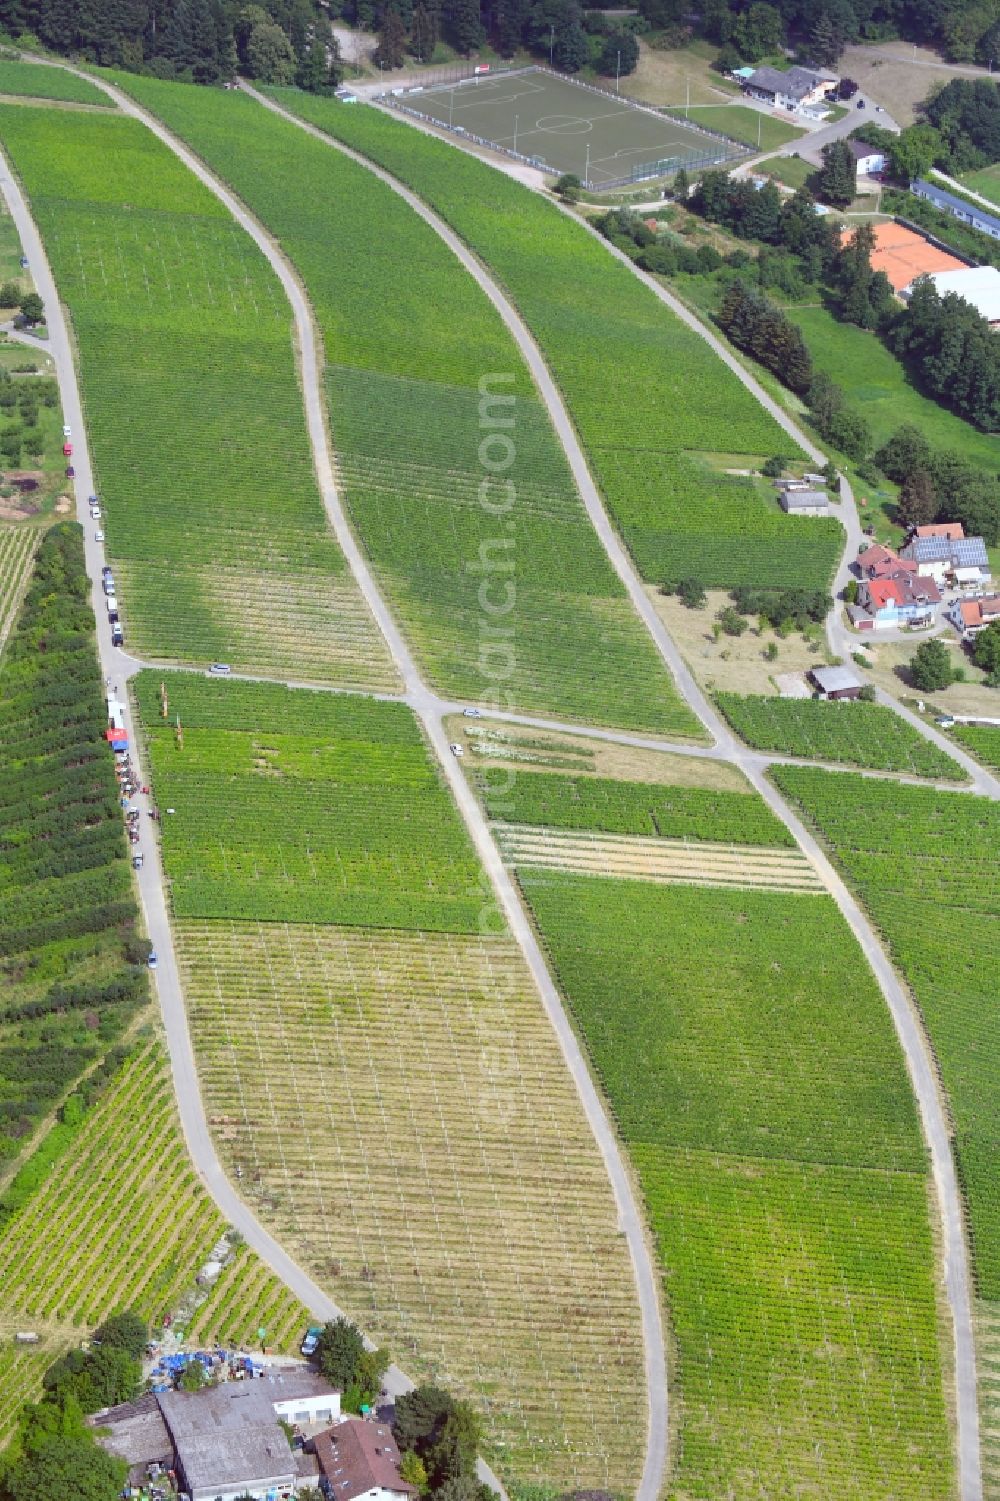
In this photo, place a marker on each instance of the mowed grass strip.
(214, 521)
(756, 1080)
(36, 81)
(855, 733)
(925, 864)
(750, 126)
(474, 1230)
(619, 807)
(640, 385)
(297, 806)
(452, 473)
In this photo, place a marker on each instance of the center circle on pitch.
(564, 125)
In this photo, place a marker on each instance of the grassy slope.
(758, 1084)
(413, 444)
(478, 1240)
(877, 385)
(986, 182)
(195, 416)
(640, 386)
(925, 864)
(36, 81)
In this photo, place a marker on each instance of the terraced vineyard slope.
(651, 402)
(757, 1082)
(856, 733)
(925, 865)
(214, 521)
(67, 916)
(329, 911)
(982, 741)
(453, 476)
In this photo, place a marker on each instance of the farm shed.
(836, 682)
(804, 502)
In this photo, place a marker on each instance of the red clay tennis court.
(904, 255)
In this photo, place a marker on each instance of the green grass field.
(762, 132)
(925, 865)
(36, 81)
(299, 807)
(878, 387)
(641, 387)
(411, 423)
(986, 182)
(757, 1083)
(214, 522)
(857, 734)
(793, 171)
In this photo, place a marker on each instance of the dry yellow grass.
(897, 75)
(662, 77)
(530, 749)
(733, 664)
(406, 1123)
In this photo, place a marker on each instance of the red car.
(67, 450)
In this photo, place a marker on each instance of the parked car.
(861, 104)
(70, 472)
(220, 669)
(946, 721)
(137, 861)
(117, 636)
(473, 713)
(95, 513)
(67, 430)
(98, 535)
(456, 750)
(152, 961)
(311, 1340)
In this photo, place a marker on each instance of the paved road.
(915, 1047)
(429, 708)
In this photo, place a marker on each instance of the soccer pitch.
(565, 126)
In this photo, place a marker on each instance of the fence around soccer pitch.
(641, 172)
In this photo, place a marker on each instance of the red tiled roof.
(880, 562)
(904, 589)
(977, 612)
(357, 1456)
(953, 530)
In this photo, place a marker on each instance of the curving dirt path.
(430, 709)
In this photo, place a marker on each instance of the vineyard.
(328, 812)
(618, 807)
(17, 548)
(134, 1227)
(67, 909)
(473, 1229)
(982, 741)
(21, 1372)
(926, 865)
(645, 392)
(421, 414)
(35, 81)
(752, 1067)
(193, 409)
(987, 1330)
(849, 731)
(666, 860)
